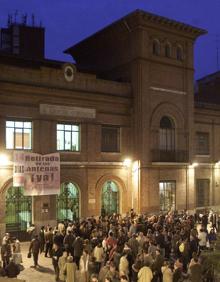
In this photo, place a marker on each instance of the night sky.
(69, 21)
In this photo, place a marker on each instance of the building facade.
(123, 119)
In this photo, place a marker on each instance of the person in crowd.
(42, 238)
(195, 271)
(61, 264)
(78, 249)
(6, 238)
(83, 266)
(57, 252)
(98, 254)
(49, 242)
(167, 272)
(124, 265)
(16, 248)
(12, 269)
(202, 239)
(6, 253)
(157, 265)
(145, 274)
(35, 249)
(70, 270)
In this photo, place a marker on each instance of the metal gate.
(110, 198)
(18, 214)
(68, 202)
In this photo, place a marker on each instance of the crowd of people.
(135, 248)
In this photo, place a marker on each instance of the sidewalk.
(44, 273)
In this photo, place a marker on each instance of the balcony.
(179, 156)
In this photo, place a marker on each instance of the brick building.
(130, 95)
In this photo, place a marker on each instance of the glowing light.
(3, 160)
(127, 162)
(193, 165)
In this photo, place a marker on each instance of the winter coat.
(123, 266)
(12, 270)
(35, 246)
(83, 267)
(61, 263)
(78, 247)
(167, 274)
(70, 271)
(98, 254)
(145, 274)
(196, 272)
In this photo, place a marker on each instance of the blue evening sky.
(69, 21)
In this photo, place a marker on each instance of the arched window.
(179, 53)
(156, 47)
(167, 134)
(168, 50)
(68, 202)
(110, 198)
(18, 214)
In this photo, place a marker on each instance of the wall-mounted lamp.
(4, 160)
(193, 165)
(127, 162)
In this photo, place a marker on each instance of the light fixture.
(3, 160)
(127, 162)
(193, 165)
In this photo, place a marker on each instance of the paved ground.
(44, 273)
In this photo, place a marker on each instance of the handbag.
(29, 255)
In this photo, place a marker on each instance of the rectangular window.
(110, 139)
(68, 138)
(202, 192)
(202, 143)
(167, 195)
(19, 135)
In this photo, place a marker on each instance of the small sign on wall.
(91, 201)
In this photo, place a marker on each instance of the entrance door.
(110, 198)
(18, 214)
(68, 202)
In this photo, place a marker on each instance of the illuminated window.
(110, 139)
(156, 47)
(19, 135)
(167, 195)
(68, 137)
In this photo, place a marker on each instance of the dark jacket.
(56, 254)
(12, 270)
(196, 272)
(78, 247)
(35, 246)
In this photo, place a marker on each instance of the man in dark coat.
(6, 253)
(49, 241)
(68, 242)
(42, 239)
(195, 271)
(35, 249)
(156, 267)
(78, 249)
(57, 252)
